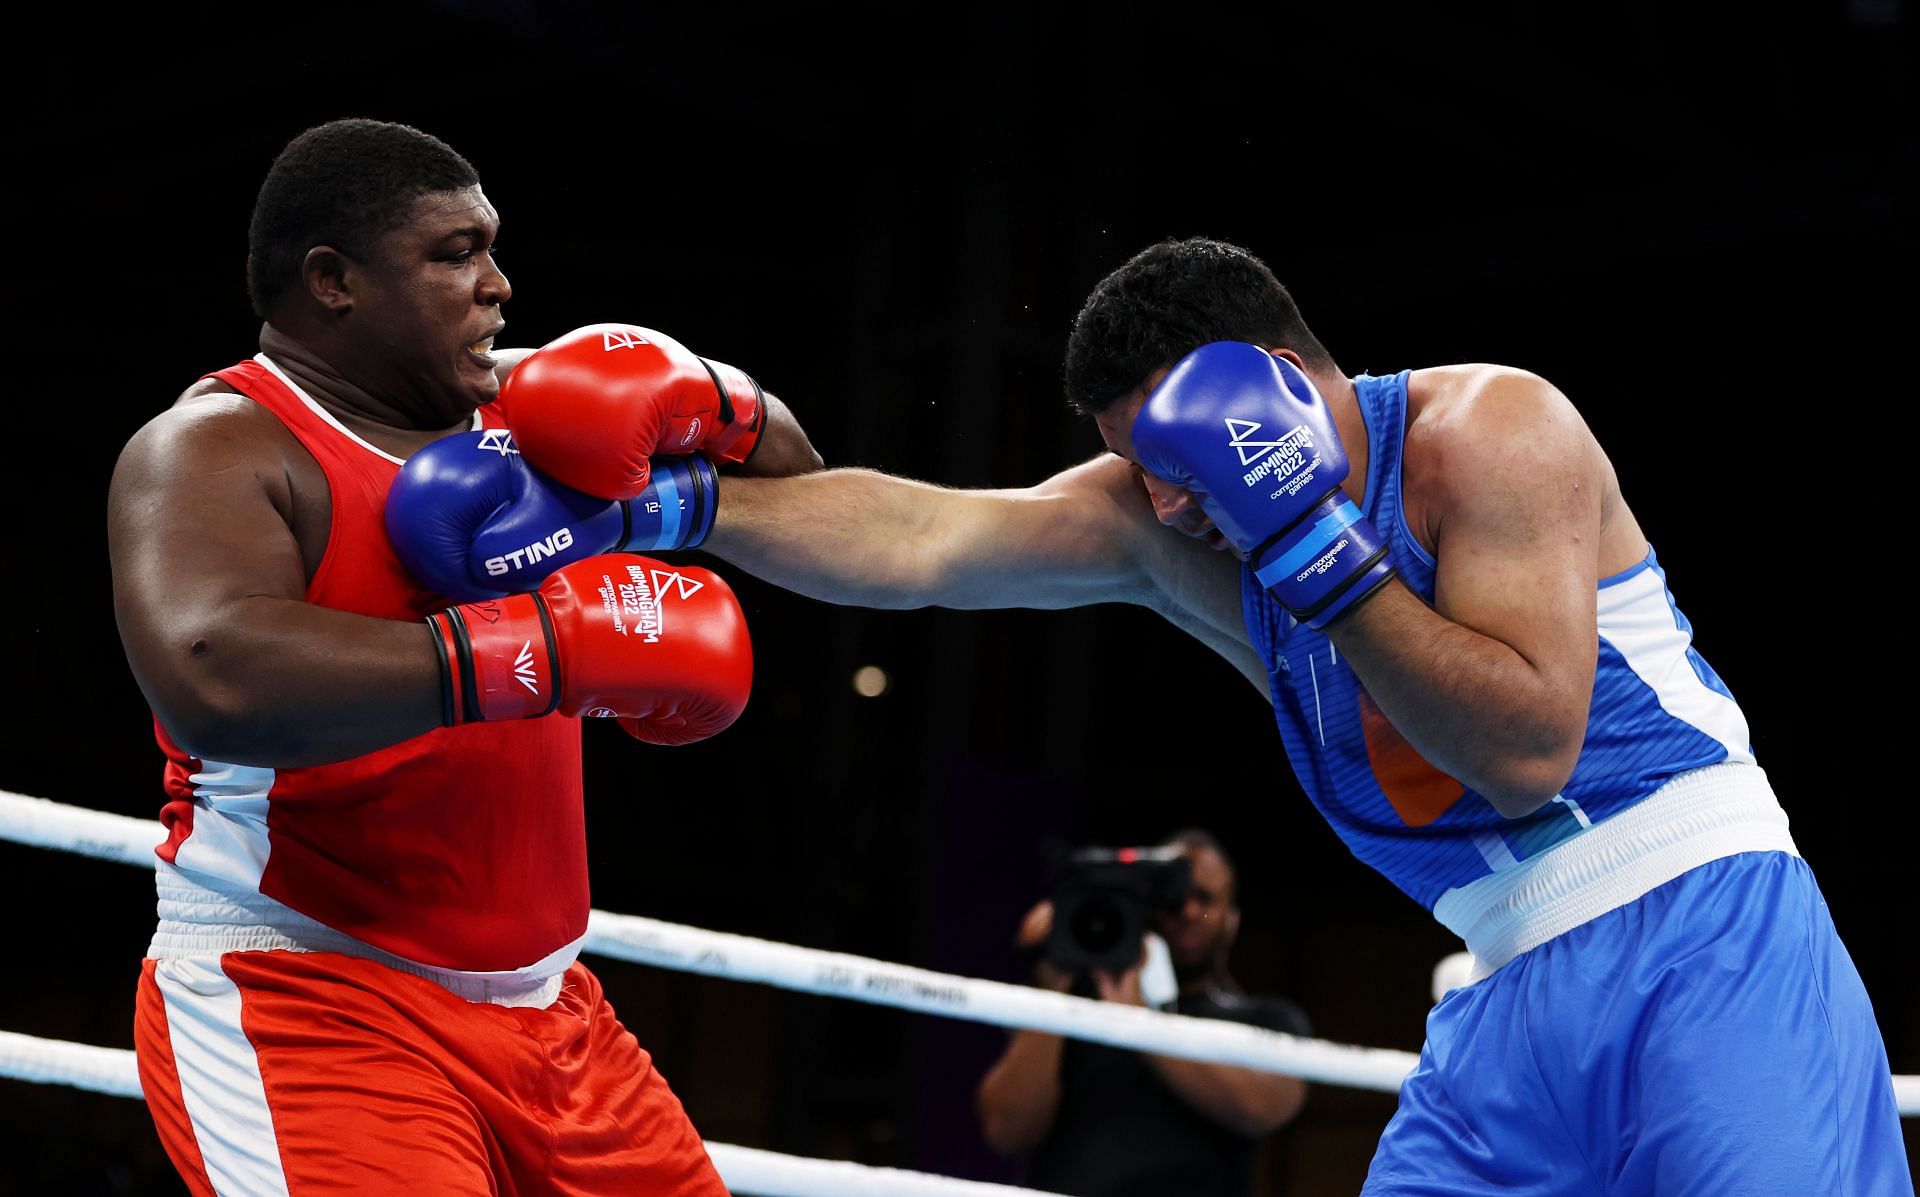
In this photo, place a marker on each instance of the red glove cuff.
(743, 413)
(497, 660)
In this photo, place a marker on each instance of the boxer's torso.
(1657, 709)
(462, 849)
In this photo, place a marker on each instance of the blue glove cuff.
(677, 508)
(1325, 562)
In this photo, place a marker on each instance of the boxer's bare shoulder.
(211, 456)
(1461, 416)
(209, 429)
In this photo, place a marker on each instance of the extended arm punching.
(1087, 535)
(849, 536)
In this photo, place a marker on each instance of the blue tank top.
(1658, 710)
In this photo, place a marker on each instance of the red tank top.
(464, 848)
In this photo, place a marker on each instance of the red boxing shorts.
(304, 1073)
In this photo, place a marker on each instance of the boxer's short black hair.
(342, 184)
(1167, 301)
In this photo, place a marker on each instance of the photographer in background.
(1099, 1121)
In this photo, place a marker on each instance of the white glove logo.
(523, 669)
(1239, 430)
(498, 440)
(622, 340)
(684, 586)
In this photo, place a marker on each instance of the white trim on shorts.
(1695, 819)
(219, 1074)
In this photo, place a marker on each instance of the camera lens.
(1098, 923)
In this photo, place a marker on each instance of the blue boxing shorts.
(1709, 1039)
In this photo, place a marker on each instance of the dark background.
(1699, 227)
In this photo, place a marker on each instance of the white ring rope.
(808, 970)
(745, 1170)
(53, 1062)
(45, 824)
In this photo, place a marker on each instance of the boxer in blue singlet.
(1484, 684)
(1662, 1004)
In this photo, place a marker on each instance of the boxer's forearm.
(1471, 705)
(867, 539)
(846, 536)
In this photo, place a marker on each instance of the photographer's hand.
(1034, 930)
(1123, 987)
(1018, 1096)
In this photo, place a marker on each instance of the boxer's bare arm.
(1492, 683)
(208, 585)
(1086, 535)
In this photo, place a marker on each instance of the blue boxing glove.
(470, 519)
(1248, 435)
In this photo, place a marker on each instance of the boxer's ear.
(1289, 354)
(325, 272)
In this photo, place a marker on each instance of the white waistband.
(1696, 818)
(200, 916)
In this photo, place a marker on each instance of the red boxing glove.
(591, 407)
(663, 647)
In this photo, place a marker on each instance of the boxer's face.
(428, 303)
(1200, 932)
(1174, 505)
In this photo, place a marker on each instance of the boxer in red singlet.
(373, 885)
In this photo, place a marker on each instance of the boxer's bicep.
(1516, 527)
(195, 527)
(1192, 586)
(209, 585)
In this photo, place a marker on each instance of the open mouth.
(482, 349)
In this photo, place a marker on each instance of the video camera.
(1102, 901)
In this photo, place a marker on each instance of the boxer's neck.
(378, 419)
